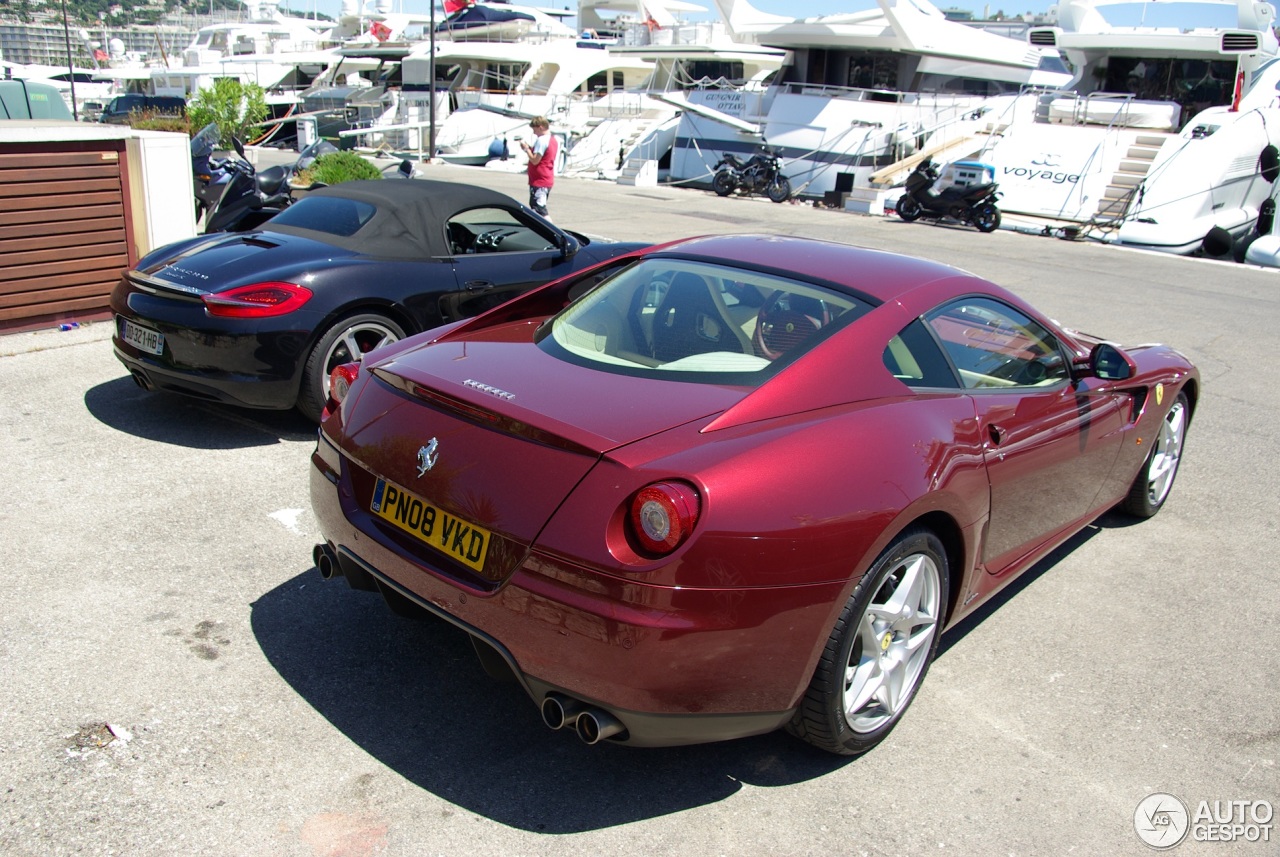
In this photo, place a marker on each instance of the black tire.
(780, 189)
(1154, 481)
(908, 209)
(876, 646)
(723, 183)
(346, 341)
(986, 217)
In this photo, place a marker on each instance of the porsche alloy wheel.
(1154, 481)
(347, 341)
(880, 649)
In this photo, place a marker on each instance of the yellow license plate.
(453, 536)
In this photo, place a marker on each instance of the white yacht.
(493, 89)
(1173, 102)
(499, 21)
(281, 54)
(861, 91)
(629, 135)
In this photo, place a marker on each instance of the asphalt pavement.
(178, 680)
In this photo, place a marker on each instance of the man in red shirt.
(542, 163)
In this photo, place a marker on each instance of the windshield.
(697, 321)
(1175, 16)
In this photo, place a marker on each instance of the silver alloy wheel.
(354, 343)
(894, 639)
(1167, 454)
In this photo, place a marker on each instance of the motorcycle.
(233, 196)
(761, 173)
(973, 205)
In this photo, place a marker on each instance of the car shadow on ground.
(958, 631)
(412, 694)
(167, 418)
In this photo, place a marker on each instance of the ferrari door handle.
(996, 433)
(477, 285)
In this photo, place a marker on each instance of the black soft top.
(410, 219)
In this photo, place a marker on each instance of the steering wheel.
(779, 327)
(488, 242)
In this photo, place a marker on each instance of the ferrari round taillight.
(663, 515)
(260, 300)
(340, 381)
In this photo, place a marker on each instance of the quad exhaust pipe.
(326, 560)
(593, 725)
(559, 711)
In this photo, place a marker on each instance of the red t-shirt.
(543, 173)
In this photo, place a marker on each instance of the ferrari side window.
(914, 359)
(993, 345)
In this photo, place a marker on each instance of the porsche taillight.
(340, 381)
(260, 300)
(663, 515)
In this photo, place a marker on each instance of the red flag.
(100, 55)
(1239, 93)
(380, 31)
(451, 6)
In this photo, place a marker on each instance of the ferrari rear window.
(334, 215)
(702, 321)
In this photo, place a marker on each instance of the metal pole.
(71, 72)
(431, 101)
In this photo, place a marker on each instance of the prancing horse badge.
(427, 456)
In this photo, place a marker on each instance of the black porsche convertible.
(259, 319)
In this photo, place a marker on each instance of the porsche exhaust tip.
(559, 711)
(594, 726)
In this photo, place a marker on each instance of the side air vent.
(1239, 43)
(1043, 38)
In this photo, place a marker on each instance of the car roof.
(875, 274)
(409, 215)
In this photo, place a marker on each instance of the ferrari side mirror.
(1110, 363)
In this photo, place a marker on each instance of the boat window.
(1177, 16)
(1054, 63)
(697, 321)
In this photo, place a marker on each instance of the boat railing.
(847, 92)
(616, 105)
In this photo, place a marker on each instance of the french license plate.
(142, 338)
(462, 540)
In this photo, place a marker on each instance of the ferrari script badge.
(427, 456)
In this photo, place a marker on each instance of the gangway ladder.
(1118, 198)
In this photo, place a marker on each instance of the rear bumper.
(210, 384)
(673, 666)
(640, 728)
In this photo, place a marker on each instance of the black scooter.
(761, 173)
(973, 205)
(232, 195)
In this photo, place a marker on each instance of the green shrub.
(235, 107)
(339, 167)
(154, 120)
